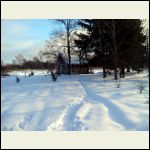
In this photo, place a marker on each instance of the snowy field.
(74, 103)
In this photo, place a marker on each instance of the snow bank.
(74, 103)
(27, 72)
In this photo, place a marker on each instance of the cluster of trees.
(2, 67)
(117, 44)
(63, 40)
(113, 44)
(20, 62)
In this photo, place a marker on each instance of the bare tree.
(140, 86)
(57, 45)
(14, 62)
(20, 59)
(40, 54)
(51, 49)
(69, 26)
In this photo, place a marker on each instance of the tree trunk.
(147, 53)
(104, 72)
(104, 68)
(115, 49)
(116, 73)
(69, 65)
(69, 57)
(122, 72)
(79, 68)
(87, 68)
(80, 62)
(128, 69)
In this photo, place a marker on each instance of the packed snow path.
(74, 103)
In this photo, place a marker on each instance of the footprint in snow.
(25, 121)
(22, 125)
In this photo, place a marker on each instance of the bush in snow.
(17, 80)
(140, 86)
(118, 83)
(53, 74)
(32, 73)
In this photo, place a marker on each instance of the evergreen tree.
(116, 43)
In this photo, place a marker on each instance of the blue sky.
(23, 36)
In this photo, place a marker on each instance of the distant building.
(76, 67)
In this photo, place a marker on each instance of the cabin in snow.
(76, 66)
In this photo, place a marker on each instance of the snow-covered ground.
(74, 103)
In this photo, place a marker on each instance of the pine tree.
(116, 43)
(95, 40)
(130, 43)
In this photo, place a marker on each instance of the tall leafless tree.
(20, 59)
(69, 26)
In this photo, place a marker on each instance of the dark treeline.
(118, 44)
(26, 64)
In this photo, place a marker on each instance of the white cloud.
(18, 29)
(11, 28)
(27, 48)
(17, 45)
(24, 44)
(19, 37)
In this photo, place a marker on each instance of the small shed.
(76, 66)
